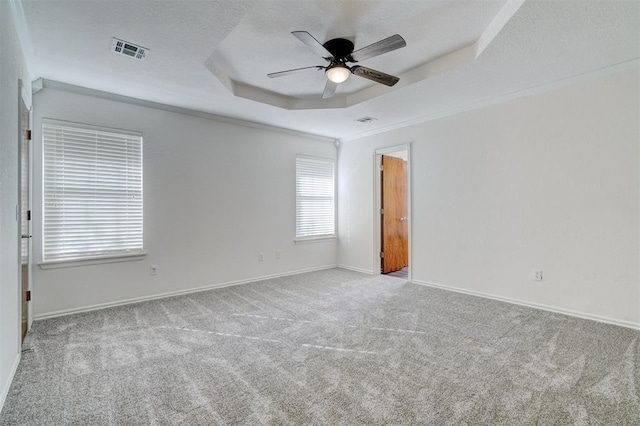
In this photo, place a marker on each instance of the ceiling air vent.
(128, 49)
(366, 119)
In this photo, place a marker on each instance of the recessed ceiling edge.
(445, 63)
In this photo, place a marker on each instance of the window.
(315, 190)
(92, 192)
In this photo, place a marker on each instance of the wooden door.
(25, 214)
(395, 247)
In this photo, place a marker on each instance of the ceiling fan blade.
(383, 46)
(312, 43)
(329, 89)
(294, 71)
(373, 75)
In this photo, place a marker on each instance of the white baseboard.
(578, 314)
(7, 386)
(353, 268)
(64, 312)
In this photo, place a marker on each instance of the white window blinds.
(315, 205)
(92, 192)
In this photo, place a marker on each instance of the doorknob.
(403, 219)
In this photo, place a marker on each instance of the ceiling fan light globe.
(338, 74)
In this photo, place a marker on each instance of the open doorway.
(24, 164)
(392, 230)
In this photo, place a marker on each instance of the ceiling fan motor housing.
(340, 48)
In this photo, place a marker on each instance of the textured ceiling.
(213, 56)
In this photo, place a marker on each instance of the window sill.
(71, 263)
(314, 239)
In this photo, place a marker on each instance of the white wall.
(12, 68)
(215, 195)
(549, 181)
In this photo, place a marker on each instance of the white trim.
(84, 91)
(7, 386)
(599, 318)
(377, 243)
(24, 93)
(315, 239)
(31, 258)
(176, 293)
(409, 213)
(353, 268)
(86, 261)
(611, 69)
(20, 294)
(22, 100)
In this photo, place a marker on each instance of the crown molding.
(84, 91)
(591, 75)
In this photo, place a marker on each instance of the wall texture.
(549, 181)
(12, 68)
(215, 195)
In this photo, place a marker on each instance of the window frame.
(320, 237)
(86, 257)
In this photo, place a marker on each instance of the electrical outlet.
(154, 269)
(260, 256)
(277, 254)
(536, 275)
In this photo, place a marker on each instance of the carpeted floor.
(329, 347)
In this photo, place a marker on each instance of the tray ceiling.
(213, 56)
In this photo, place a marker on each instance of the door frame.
(23, 99)
(377, 204)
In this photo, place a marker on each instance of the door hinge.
(27, 295)
(27, 135)
(381, 168)
(381, 211)
(28, 214)
(381, 255)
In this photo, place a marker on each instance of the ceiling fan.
(339, 53)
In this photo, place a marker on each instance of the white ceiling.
(262, 41)
(213, 56)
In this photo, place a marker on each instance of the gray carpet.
(329, 347)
